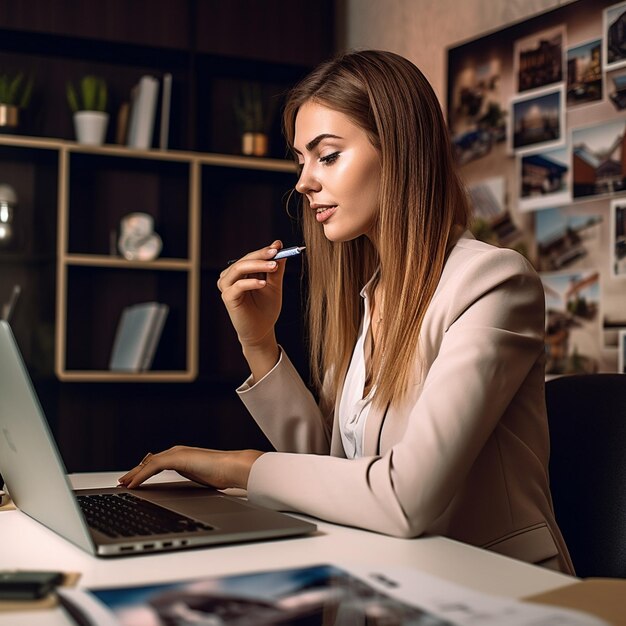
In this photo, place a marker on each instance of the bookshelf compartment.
(28, 259)
(32, 173)
(100, 295)
(104, 188)
(220, 131)
(243, 210)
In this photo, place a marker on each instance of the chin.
(338, 235)
(338, 238)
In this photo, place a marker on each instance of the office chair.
(587, 421)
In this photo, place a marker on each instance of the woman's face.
(340, 172)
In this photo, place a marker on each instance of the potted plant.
(253, 115)
(15, 93)
(88, 102)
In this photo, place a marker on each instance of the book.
(154, 336)
(137, 337)
(311, 595)
(166, 99)
(121, 130)
(143, 113)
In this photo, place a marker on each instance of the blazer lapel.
(336, 445)
(373, 427)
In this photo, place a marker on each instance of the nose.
(307, 182)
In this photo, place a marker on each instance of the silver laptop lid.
(30, 462)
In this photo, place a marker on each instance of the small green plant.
(252, 110)
(16, 90)
(91, 94)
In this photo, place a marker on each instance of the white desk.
(25, 544)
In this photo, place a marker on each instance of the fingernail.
(271, 264)
(272, 251)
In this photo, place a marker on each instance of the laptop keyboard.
(126, 515)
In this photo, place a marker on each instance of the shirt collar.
(365, 293)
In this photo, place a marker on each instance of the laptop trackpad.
(191, 499)
(208, 506)
(159, 492)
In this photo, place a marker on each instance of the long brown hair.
(422, 203)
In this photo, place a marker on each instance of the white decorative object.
(137, 240)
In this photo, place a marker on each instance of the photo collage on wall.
(537, 116)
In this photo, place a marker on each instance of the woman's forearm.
(262, 358)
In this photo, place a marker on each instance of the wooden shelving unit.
(83, 252)
(209, 203)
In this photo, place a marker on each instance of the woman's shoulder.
(474, 267)
(470, 253)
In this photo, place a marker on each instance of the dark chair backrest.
(587, 420)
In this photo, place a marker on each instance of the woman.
(426, 345)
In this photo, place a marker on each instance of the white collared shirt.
(353, 406)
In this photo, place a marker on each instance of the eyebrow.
(309, 146)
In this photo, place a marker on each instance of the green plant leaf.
(72, 98)
(15, 90)
(91, 94)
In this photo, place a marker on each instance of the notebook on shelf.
(137, 337)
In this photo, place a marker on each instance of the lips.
(323, 211)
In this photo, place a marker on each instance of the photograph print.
(568, 239)
(491, 219)
(616, 88)
(313, 595)
(544, 179)
(598, 160)
(538, 59)
(618, 238)
(614, 27)
(572, 331)
(537, 121)
(584, 73)
(476, 117)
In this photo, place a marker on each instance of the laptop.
(156, 517)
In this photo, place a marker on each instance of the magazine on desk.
(324, 595)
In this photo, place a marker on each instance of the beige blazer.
(465, 456)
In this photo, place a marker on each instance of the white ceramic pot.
(91, 127)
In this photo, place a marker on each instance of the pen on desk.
(283, 253)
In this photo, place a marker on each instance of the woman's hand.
(215, 468)
(252, 289)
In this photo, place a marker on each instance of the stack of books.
(137, 337)
(137, 123)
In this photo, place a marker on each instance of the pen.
(283, 253)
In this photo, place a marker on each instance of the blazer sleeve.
(492, 322)
(286, 410)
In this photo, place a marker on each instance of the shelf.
(106, 376)
(95, 260)
(205, 158)
(21, 141)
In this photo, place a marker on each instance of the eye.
(329, 159)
